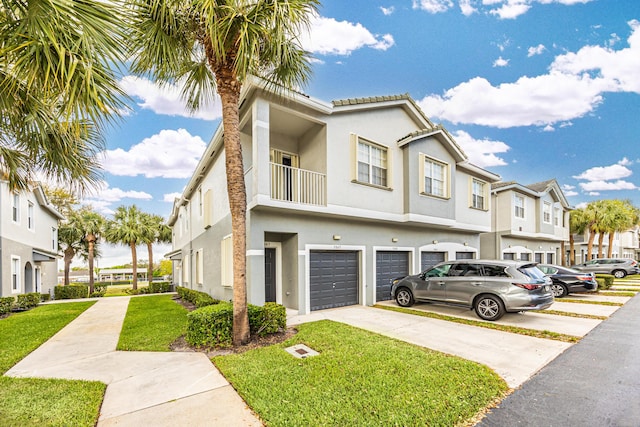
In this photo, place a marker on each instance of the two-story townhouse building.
(626, 244)
(28, 241)
(529, 222)
(342, 197)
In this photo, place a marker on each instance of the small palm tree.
(578, 223)
(155, 231)
(70, 241)
(126, 228)
(216, 46)
(92, 225)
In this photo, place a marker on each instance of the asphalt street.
(596, 382)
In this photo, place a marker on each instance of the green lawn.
(43, 402)
(152, 323)
(360, 378)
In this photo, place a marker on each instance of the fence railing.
(298, 185)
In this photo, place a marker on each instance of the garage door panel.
(333, 279)
(389, 265)
(429, 259)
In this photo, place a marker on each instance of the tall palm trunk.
(92, 244)
(134, 261)
(69, 253)
(572, 255)
(150, 267)
(592, 237)
(610, 248)
(600, 244)
(229, 91)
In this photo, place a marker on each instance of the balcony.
(296, 185)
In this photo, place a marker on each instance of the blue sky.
(531, 89)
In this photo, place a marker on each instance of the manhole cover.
(301, 351)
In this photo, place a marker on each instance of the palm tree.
(578, 223)
(155, 231)
(126, 229)
(215, 46)
(622, 215)
(594, 213)
(59, 87)
(70, 241)
(92, 225)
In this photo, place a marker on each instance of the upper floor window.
(226, 261)
(479, 194)
(371, 163)
(15, 207)
(557, 217)
(200, 201)
(435, 177)
(30, 217)
(518, 202)
(546, 212)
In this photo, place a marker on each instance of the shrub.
(159, 287)
(99, 289)
(5, 304)
(71, 291)
(212, 326)
(605, 281)
(27, 301)
(197, 298)
(45, 297)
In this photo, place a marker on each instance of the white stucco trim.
(307, 266)
(450, 248)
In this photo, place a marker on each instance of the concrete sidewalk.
(143, 388)
(514, 357)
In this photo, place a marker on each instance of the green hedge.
(27, 301)
(197, 298)
(45, 297)
(159, 287)
(605, 281)
(5, 304)
(71, 291)
(212, 326)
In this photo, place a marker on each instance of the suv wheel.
(619, 274)
(404, 297)
(489, 307)
(558, 290)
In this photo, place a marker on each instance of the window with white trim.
(371, 163)
(478, 194)
(546, 213)
(435, 177)
(30, 218)
(15, 207)
(226, 261)
(557, 217)
(15, 274)
(518, 202)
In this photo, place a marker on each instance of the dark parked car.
(568, 280)
(491, 288)
(618, 267)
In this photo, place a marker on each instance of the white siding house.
(342, 197)
(28, 242)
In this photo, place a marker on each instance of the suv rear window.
(532, 271)
(495, 270)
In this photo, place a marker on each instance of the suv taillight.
(585, 278)
(527, 286)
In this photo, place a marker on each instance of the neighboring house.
(75, 276)
(342, 197)
(116, 274)
(625, 245)
(28, 242)
(529, 222)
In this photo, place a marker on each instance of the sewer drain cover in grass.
(301, 351)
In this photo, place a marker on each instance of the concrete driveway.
(512, 356)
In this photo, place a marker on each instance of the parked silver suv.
(618, 267)
(489, 287)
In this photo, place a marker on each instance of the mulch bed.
(255, 341)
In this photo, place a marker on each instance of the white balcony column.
(260, 148)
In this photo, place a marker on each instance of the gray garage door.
(429, 259)
(465, 255)
(333, 279)
(389, 265)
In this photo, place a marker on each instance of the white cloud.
(170, 197)
(166, 99)
(536, 50)
(595, 186)
(156, 156)
(433, 6)
(481, 152)
(606, 173)
(500, 62)
(330, 37)
(467, 8)
(573, 88)
(570, 193)
(387, 10)
(104, 196)
(510, 10)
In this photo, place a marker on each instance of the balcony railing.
(298, 185)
